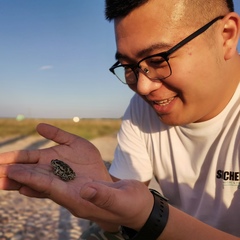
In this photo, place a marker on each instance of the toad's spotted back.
(63, 170)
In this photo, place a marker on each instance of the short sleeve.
(131, 158)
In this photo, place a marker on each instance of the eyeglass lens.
(154, 67)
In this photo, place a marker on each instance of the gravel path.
(23, 218)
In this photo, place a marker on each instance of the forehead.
(158, 24)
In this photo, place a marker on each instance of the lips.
(164, 102)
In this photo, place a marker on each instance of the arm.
(182, 226)
(190, 228)
(135, 195)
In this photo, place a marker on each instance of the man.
(183, 124)
(182, 127)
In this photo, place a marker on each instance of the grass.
(86, 128)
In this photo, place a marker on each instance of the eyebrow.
(146, 51)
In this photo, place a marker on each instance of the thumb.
(88, 193)
(55, 134)
(101, 195)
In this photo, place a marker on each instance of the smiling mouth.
(164, 102)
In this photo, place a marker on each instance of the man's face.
(195, 91)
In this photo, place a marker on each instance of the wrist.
(155, 223)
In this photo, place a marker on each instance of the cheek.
(190, 72)
(189, 80)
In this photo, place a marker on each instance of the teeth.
(164, 102)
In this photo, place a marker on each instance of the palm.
(79, 153)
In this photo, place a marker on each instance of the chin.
(173, 121)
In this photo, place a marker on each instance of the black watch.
(155, 224)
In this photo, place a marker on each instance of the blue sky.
(54, 62)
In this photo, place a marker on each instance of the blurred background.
(54, 62)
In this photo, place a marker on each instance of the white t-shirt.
(197, 166)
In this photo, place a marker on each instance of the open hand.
(30, 171)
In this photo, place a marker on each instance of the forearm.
(181, 226)
(131, 204)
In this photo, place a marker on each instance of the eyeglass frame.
(165, 55)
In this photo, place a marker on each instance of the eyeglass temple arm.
(193, 35)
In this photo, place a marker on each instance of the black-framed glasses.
(155, 67)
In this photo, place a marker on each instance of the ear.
(230, 33)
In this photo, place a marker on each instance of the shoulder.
(138, 108)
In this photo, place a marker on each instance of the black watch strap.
(155, 224)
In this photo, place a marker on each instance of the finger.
(108, 201)
(65, 138)
(102, 195)
(22, 156)
(55, 134)
(9, 184)
(39, 181)
(117, 200)
(26, 191)
(36, 178)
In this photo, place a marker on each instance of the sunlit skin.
(204, 75)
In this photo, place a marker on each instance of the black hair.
(121, 8)
(230, 5)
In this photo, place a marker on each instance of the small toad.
(63, 170)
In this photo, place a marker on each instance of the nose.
(145, 85)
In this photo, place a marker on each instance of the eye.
(156, 62)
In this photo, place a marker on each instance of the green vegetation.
(86, 128)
